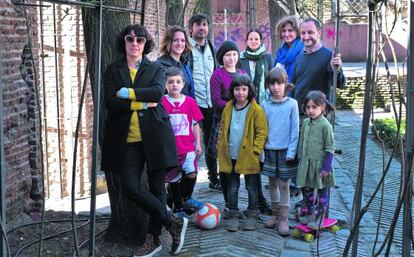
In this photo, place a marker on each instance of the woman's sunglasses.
(130, 39)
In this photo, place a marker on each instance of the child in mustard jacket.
(243, 133)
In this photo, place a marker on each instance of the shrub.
(387, 129)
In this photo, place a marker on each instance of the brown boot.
(273, 222)
(284, 225)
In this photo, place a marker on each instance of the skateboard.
(308, 234)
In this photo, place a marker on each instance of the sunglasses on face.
(130, 39)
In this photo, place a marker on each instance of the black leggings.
(152, 201)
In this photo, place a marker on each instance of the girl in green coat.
(315, 153)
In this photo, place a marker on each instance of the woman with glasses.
(138, 133)
(174, 47)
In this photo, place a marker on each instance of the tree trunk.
(277, 10)
(173, 13)
(128, 222)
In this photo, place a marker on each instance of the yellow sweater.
(134, 133)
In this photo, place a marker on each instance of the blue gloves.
(123, 93)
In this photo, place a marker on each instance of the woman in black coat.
(138, 132)
(256, 62)
(174, 48)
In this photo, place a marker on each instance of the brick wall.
(21, 132)
(60, 70)
(64, 61)
(155, 23)
(263, 23)
(62, 102)
(71, 60)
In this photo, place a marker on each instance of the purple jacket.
(219, 88)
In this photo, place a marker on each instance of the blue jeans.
(153, 201)
(233, 185)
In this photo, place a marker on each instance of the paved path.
(347, 135)
(266, 242)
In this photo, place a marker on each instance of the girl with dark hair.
(174, 47)
(243, 132)
(138, 133)
(257, 63)
(315, 153)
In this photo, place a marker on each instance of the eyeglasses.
(130, 39)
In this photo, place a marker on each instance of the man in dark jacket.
(314, 67)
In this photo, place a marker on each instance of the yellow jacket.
(254, 138)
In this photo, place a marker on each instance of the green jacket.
(316, 139)
(254, 138)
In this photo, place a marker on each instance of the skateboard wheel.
(309, 237)
(334, 228)
(296, 233)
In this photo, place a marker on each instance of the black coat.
(167, 61)
(244, 64)
(156, 130)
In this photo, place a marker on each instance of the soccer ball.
(207, 217)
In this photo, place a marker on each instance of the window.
(230, 5)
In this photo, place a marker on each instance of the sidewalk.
(266, 242)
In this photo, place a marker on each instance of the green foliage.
(202, 6)
(387, 129)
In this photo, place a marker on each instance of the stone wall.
(21, 115)
(352, 96)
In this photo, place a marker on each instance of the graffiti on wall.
(330, 33)
(238, 35)
(234, 34)
(232, 18)
(266, 33)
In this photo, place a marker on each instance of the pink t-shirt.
(184, 113)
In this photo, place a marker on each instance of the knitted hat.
(224, 48)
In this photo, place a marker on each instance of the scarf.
(287, 56)
(258, 57)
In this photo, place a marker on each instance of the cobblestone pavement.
(266, 242)
(347, 136)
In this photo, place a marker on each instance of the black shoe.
(151, 246)
(265, 208)
(215, 186)
(177, 231)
